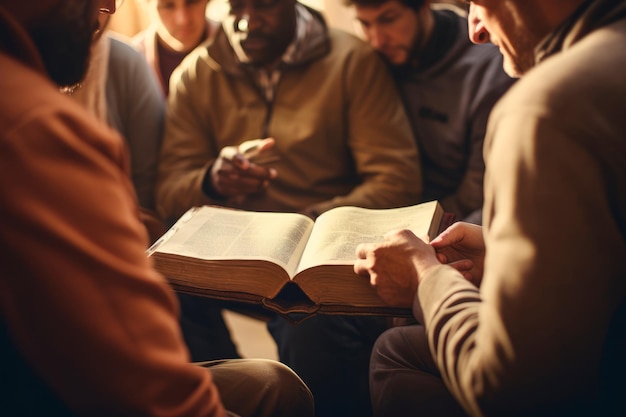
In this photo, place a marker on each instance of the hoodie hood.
(314, 44)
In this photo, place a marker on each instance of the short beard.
(65, 42)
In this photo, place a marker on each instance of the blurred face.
(266, 27)
(510, 25)
(64, 38)
(181, 23)
(393, 29)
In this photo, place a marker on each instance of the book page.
(214, 233)
(339, 231)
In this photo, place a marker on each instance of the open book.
(285, 261)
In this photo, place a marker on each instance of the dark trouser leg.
(404, 380)
(331, 354)
(205, 332)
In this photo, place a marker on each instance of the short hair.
(412, 4)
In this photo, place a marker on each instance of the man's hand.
(235, 174)
(462, 247)
(395, 266)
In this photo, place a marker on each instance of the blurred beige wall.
(130, 18)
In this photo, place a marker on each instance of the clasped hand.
(396, 265)
(234, 173)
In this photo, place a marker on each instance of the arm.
(188, 150)
(488, 83)
(138, 108)
(104, 334)
(534, 332)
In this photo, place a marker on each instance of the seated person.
(178, 26)
(529, 317)
(87, 326)
(448, 85)
(337, 133)
(121, 90)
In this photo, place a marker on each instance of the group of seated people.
(397, 118)
(342, 135)
(353, 129)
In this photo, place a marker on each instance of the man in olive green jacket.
(339, 136)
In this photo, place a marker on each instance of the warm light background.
(132, 18)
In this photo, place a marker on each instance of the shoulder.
(141, 40)
(578, 94)
(28, 95)
(199, 68)
(128, 67)
(576, 83)
(344, 42)
(199, 60)
(31, 108)
(352, 53)
(122, 49)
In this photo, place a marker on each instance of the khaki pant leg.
(261, 388)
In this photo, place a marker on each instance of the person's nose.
(107, 6)
(376, 37)
(181, 15)
(110, 6)
(477, 32)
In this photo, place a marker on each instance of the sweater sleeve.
(532, 337)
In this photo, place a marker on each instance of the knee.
(384, 346)
(403, 348)
(290, 395)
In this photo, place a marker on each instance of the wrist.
(207, 186)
